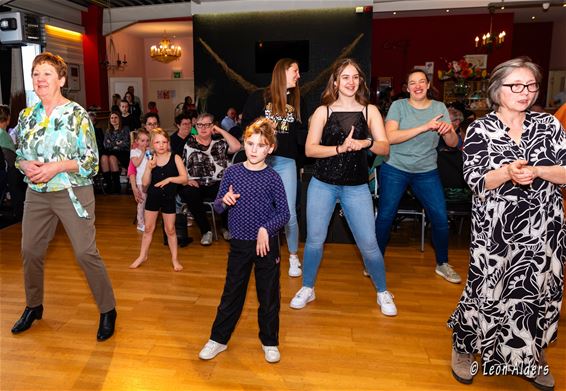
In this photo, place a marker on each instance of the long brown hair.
(276, 92)
(330, 93)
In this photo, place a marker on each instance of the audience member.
(135, 99)
(179, 138)
(341, 132)
(116, 99)
(117, 152)
(152, 107)
(229, 120)
(138, 157)
(126, 118)
(135, 111)
(206, 159)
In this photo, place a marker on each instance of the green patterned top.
(67, 134)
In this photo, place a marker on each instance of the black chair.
(456, 191)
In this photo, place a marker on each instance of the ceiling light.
(165, 51)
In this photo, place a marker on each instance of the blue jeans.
(287, 170)
(426, 186)
(358, 209)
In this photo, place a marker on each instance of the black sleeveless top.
(159, 173)
(348, 168)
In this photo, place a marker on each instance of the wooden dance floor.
(340, 341)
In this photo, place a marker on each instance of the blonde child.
(139, 160)
(254, 196)
(163, 172)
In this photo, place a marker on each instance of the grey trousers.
(42, 212)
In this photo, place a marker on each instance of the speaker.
(18, 28)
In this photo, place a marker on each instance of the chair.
(408, 206)
(239, 157)
(210, 205)
(456, 190)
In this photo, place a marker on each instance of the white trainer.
(385, 301)
(294, 266)
(447, 271)
(272, 354)
(211, 349)
(302, 297)
(206, 239)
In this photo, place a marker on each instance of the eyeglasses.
(517, 88)
(206, 125)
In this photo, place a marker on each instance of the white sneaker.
(211, 350)
(206, 239)
(302, 297)
(272, 354)
(294, 266)
(226, 235)
(141, 227)
(445, 270)
(365, 273)
(385, 300)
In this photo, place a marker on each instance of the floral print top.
(67, 134)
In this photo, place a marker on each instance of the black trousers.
(194, 198)
(241, 258)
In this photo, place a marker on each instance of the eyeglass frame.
(205, 125)
(512, 85)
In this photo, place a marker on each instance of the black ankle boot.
(183, 238)
(106, 325)
(116, 186)
(107, 182)
(27, 318)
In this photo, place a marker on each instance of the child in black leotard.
(163, 172)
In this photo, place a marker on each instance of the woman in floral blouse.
(117, 152)
(57, 153)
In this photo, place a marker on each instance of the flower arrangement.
(462, 70)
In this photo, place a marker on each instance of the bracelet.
(337, 151)
(370, 143)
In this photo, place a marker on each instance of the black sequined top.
(349, 168)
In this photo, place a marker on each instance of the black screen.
(267, 53)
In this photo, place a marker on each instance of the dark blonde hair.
(265, 128)
(330, 93)
(52, 59)
(501, 71)
(141, 131)
(160, 132)
(276, 92)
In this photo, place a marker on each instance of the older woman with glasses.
(206, 158)
(514, 162)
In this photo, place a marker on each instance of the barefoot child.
(139, 159)
(163, 172)
(254, 196)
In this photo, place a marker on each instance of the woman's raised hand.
(350, 144)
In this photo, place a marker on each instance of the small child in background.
(152, 107)
(138, 159)
(254, 196)
(163, 172)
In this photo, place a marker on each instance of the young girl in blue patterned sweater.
(254, 196)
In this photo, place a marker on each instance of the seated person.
(116, 152)
(11, 179)
(206, 158)
(179, 138)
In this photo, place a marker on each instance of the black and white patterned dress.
(510, 307)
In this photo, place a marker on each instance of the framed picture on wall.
(73, 78)
(478, 60)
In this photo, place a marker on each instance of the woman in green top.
(57, 153)
(414, 126)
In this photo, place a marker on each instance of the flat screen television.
(267, 53)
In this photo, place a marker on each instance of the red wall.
(399, 44)
(534, 40)
(94, 52)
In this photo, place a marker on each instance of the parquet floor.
(338, 342)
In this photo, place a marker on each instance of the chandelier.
(165, 52)
(113, 62)
(488, 40)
